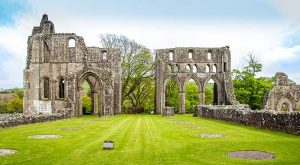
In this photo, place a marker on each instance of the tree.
(209, 94)
(191, 96)
(249, 89)
(137, 68)
(87, 103)
(15, 105)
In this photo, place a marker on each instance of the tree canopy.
(137, 70)
(248, 88)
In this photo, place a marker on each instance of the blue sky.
(269, 28)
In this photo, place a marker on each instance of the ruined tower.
(284, 96)
(58, 64)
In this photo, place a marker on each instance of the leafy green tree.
(87, 103)
(137, 69)
(209, 94)
(247, 87)
(172, 95)
(191, 96)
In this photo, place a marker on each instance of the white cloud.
(288, 7)
(265, 40)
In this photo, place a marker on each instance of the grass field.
(144, 139)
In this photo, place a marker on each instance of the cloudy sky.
(268, 28)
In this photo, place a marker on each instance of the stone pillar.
(202, 98)
(95, 103)
(182, 102)
(80, 102)
(159, 87)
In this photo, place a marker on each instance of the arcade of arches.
(206, 67)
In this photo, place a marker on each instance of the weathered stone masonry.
(281, 121)
(199, 64)
(58, 64)
(284, 96)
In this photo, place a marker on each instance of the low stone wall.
(280, 121)
(14, 119)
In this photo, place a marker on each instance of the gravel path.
(44, 137)
(252, 155)
(210, 135)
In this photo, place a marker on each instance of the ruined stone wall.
(199, 64)
(284, 96)
(64, 57)
(15, 119)
(280, 121)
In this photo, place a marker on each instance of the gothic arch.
(174, 78)
(218, 85)
(194, 77)
(286, 101)
(96, 86)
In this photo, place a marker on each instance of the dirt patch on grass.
(4, 152)
(69, 129)
(252, 155)
(182, 122)
(195, 127)
(44, 137)
(210, 135)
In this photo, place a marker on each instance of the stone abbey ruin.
(284, 96)
(198, 64)
(59, 63)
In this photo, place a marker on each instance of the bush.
(15, 105)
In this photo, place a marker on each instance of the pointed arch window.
(194, 68)
(46, 85)
(187, 68)
(61, 88)
(209, 55)
(190, 55)
(207, 68)
(214, 68)
(175, 68)
(171, 56)
(46, 51)
(71, 43)
(104, 55)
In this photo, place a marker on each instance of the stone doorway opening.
(192, 95)
(211, 89)
(90, 95)
(172, 94)
(86, 98)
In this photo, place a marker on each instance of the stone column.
(80, 101)
(182, 102)
(95, 103)
(202, 98)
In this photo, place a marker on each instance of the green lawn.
(144, 139)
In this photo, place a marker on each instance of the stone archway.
(186, 92)
(217, 91)
(164, 99)
(96, 86)
(285, 102)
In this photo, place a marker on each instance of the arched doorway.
(86, 98)
(90, 95)
(192, 94)
(212, 92)
(284, 104)
(171, 94)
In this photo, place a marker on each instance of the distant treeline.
(11, 100)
